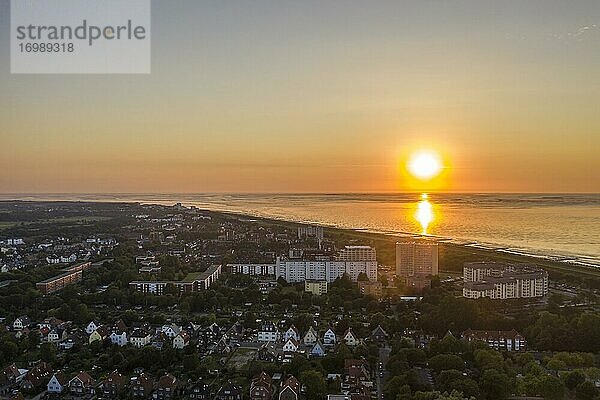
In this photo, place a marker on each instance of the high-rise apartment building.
(415, 258)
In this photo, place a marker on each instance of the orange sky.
(270, 98)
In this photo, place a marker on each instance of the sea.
(562, 227)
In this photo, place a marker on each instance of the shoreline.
(456, 250)
(452, 250)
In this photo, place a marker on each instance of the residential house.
(119, 338)
(166, 387)
(171, 330)
(10, 376)
(318, 350)
(350, 338)
(357, 378)
(53, 259)
(112, 387)
(260, 387)
(36, 377)
(81, 385)
(229, 391)
(21, 322)
(291, 346)
(379, 335)
(91, 327)
(311, 336)
(141, 386)
(140, 337)
(267, 353)
(159, 340)
(181, 341)
(57, 334)
(268, 332)
(211, 333)
(290, 390)
(292, 332)
(57, 383)
(101, 333)
(329, 338)
(50, 323)
(235, 334)
(199, 390)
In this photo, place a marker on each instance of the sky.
(320, 96)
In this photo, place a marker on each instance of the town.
(129, 300)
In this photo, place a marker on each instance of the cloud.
(578, 34)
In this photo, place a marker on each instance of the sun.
(425, 164)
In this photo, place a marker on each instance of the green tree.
(586, 391)
(443, 362)
(315, 385)
(494, 385)
(551, 387)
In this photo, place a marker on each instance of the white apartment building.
(503, 281)
(416, 258)
(252, 269)
(352, 260)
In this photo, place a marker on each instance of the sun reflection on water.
(424, 213)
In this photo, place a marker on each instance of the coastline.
(452, 255)
(453, 252)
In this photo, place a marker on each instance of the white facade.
(292, 332)
(54, 386)
(329, 338)
(300, 271)
(290, 346)
(350, 339)
(120, 339)
(310, 337)
(181, 341)
(171, 330)
(268, 333)
(20, 323)
(252, 269)
(503, 281)
(91, 327)
(139, 340)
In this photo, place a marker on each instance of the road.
(384, 355)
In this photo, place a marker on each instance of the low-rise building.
(498, 340)
(268, 332)
(315, 287)
(81, 385)
(112, 387)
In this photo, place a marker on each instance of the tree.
(487, 358)
(443, 362)
(573, 379)
(586, 391)
(394, 386)
(362, 277)
(315, 385)
(454, 380)
(48, 352)
(191, 362)
(551, 387)
(494, 385)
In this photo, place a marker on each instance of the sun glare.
(424, 165)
